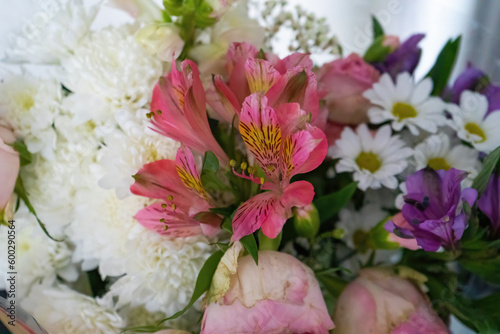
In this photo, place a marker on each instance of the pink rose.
(379, 302)
(280, 295)
(341, 83)
(9, 166)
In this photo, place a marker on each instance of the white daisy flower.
(62, 310)
(472, 123)
(374, 159)
(405, 104)
(437, 153)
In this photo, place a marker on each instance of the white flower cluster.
(87, 132)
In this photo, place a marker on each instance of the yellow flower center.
(475, 129)
(403, 110)
(368, 161)
(26, 101)
(438, 164)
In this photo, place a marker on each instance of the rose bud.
(380, 302)
(9, 166)
(342, 83)
(280, 295)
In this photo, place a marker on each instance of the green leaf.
(210, 162)
(227, 211)
(227, 224)
(203, 283)
(250, 245)
(24, 154)
(329, 205)
(441, 71)
(487, 268)
(331, 283)
(377, 52)
(491, 161)
(377, 28)
(21, 192)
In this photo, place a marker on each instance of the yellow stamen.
(162, 220)
(262, 180)
(232, 163)
(244, 165)
(251, 169)
(163, 206)
(170, 197)
(174, 206)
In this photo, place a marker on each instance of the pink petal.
(237, 55)
(252, 214)
(186, 168)
(222, 100)
(179, 224)
(260, 75)
(261, 132)
(303, 151)
(302, 60)
(299, 193)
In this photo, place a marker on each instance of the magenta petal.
(299, 193)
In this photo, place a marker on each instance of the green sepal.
(378, 30)
(248, 241)
(377, 52)
(266, 243)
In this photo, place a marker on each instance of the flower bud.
(380, 302)
(280, 295)
(162, 39)
(306, 221)
(391, 41)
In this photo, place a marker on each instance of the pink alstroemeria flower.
(184, 210)
(282, 81)
(283, 144)
(178, 110)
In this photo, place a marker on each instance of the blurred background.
(476, 20)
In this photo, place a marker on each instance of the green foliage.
(329, 205)
(441, 71)
(248, 241)
(266, 243)
(377, 28)
(491, 163)
(209, 178)
(377, 52)
(24, 154)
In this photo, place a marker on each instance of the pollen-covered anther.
(174, 206)
(162, 220)
(158, 112)
(232, 163)
(244, 165)
(170, 197)
(163, 206)
(251, 170)
(262, 180)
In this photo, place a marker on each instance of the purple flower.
(489, 203)
(475, 80)
(434, 208)
(403, 59)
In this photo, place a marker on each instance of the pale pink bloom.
(379, 302)
(280, 295)
(183, 210)
(392, 41)
(400, 221)
(342, 83)
(178, 110)
(281, 80)
(284, 144)
(9, 166)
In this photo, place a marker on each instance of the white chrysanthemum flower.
(111, 71)
(52, 184)
(161, 272)
(56, 36)
(29, 106)
(473, 124)
(437, 153)
(405, 104)
(123, 155)
(101, 228)
(38, 257)
(374, 159)
(62, 310)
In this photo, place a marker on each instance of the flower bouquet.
(173, 174)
